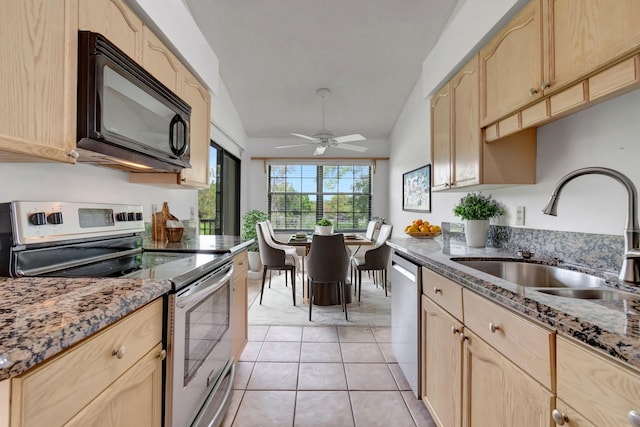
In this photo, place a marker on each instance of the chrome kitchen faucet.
(630, 271)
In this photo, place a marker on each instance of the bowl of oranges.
(422, 229)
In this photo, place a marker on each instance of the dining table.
(352, 240)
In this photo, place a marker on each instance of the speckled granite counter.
(612, 327)
(39, 317)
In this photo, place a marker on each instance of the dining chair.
(289, 250)
(275, 258)
(374, 260)
(328, 262)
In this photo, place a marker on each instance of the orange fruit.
(417, 222)
(413, 229)
(424, 228)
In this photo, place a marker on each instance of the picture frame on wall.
(416, 190)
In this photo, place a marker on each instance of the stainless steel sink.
(599, 294)
(534, 275)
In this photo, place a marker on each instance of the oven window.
(206, 323)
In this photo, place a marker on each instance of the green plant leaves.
(477, 206)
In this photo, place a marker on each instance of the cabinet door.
(465, 119)
(511, 66)
(441, 139)
(134, 399)
(114, 20)
(38, 80)
(159, 61)
(497, 393)
(199, 99)
(441, 365)
(239, 333)
(586, 34)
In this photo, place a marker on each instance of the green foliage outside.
(249, 221)
(477, 206)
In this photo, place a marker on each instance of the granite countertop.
(38, 320)
(612, 327)
(218, 244)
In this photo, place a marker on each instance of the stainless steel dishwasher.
(405, 318)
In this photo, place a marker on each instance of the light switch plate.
(520, 215)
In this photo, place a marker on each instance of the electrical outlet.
(520, 215)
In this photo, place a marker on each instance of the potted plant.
(476, 209)
(324, 227)
(249, 221)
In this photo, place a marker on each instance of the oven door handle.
(194, 298)
(70, 264)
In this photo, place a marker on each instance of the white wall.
(87, 183)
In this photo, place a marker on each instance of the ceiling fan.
(324, 138)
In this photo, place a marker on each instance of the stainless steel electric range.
(69, 239)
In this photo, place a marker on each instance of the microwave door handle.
(177, 120)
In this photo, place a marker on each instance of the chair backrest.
(269, 255)
(328, 260)
(371, 228)
(384, 234)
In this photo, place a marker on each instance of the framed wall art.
(416, 190)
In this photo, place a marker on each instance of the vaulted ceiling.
(275, 54)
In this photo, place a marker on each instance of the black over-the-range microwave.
(126, 118)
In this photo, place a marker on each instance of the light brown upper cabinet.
(458, 154)
(38, 80)
(158, 60)
(198, 97)
(456, 131)
(114, 20)
(511, 65)
(441, 139)
(583, 35)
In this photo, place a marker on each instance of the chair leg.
(270, 278)
(264, 276)
(344, 301)
(359, 284)
(384, 277)
(293, 284)
(310, 298)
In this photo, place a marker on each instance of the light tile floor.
(322, 376)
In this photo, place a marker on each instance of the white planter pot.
(324, 230)
(254, 261)
(476, 232)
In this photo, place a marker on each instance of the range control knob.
(121, 216)
(54, 218)
(131, 216)
(38, 218)
(138, 216)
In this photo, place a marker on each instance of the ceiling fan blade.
(352, 147)
(319, 150)
(295, 145)
(299, 135)
(350, 138)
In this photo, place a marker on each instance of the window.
(301, 194)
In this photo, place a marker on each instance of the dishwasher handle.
(406, 273)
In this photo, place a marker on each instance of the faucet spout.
(630, 271)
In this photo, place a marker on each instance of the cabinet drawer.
(509, 125)
(535, 114)
(58, 389)
(596, 387)
(568, 99)
(619, 77)
(240, 264)
(443, 292)
(526, 344)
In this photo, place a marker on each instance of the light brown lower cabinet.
(498, 393)
(239, 304)
(112, 378)
(472, 381)
(595, 388)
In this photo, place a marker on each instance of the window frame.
(358, 218)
